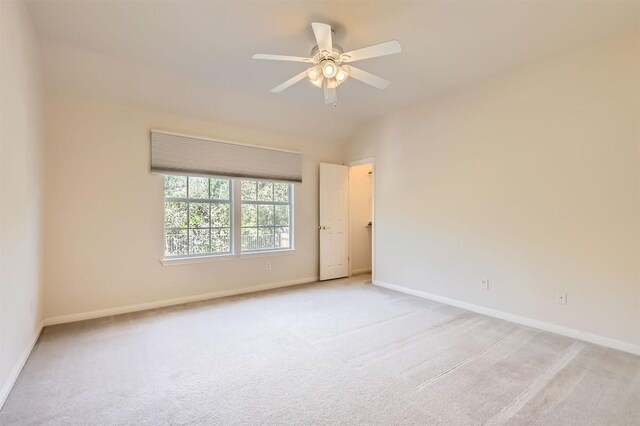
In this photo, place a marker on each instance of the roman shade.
(183, 154)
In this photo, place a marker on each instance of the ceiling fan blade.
(370, 79)
(281, 58)
(293, 80)
(323, 36)
(330, 93)
(382, 49)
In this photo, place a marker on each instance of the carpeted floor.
(343, 352)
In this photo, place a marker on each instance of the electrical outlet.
(561, 297)
(268, 266)
(485, 284)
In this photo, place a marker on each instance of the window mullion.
(188, 221)
(236, 232)
(209, 213)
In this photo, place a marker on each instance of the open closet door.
(334, 221)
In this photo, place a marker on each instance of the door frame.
(372, 161)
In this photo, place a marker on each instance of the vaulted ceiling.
(194, 57)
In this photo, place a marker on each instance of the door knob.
(323, 228)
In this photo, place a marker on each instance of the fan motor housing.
(337, 51)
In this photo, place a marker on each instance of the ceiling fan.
(328, 62)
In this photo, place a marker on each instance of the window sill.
(196, 259)
(219, 257)
(250, 254)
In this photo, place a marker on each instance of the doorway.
(347, 228)
(361, 226)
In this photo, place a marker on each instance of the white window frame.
(187, 200)
(235, 202)
(290, 203)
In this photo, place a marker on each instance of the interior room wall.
(359, 217)
(530, 180)
(20, 191)
(104, 222)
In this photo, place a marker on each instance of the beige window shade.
(181, 154)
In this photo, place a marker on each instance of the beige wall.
(104, 221)
(20, 190)
(359, 216)
(531, 180)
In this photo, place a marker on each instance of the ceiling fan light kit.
(328, 64)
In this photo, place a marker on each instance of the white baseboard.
(530, 322)
(170, 302)
(361, 271)
(17, 368)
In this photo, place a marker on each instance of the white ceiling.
(195, 57)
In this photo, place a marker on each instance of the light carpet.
(343, 352)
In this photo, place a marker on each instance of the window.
(199, 216)
(265, 215)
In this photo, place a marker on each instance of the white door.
(334, 221)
